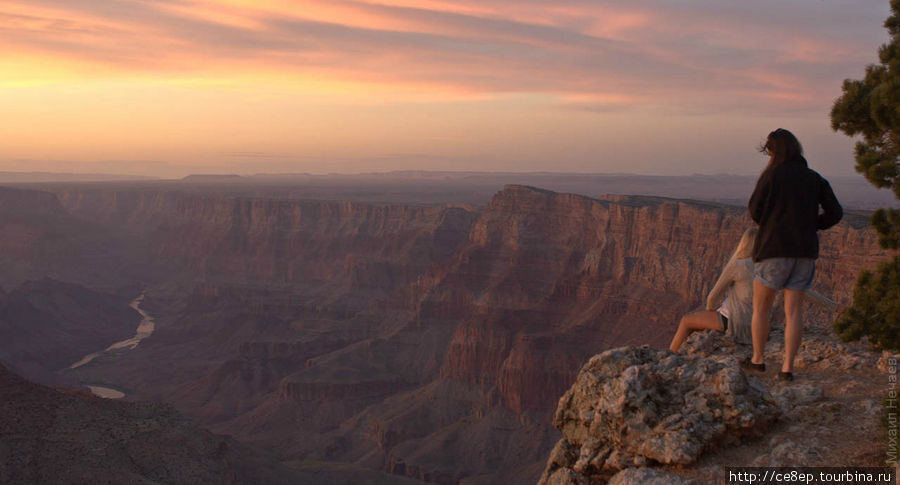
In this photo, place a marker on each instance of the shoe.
(786, 376)
(749, 365)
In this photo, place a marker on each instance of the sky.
(171, 87)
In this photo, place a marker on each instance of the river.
(144, 330)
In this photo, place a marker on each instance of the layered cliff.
(280, 242)
(545, 281)
(430, 342)
(551, 278)
(39, 238)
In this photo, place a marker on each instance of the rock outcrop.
(637, 406)
(612, 419)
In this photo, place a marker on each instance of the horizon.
(173, 88)
(451, 187)
(411, 171)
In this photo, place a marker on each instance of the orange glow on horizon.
(450, 79)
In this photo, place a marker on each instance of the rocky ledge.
(636, 406)
(641, 415)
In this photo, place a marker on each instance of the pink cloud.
(641, 52)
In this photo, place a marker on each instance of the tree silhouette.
(870, 108)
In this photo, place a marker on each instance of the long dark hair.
(781, 146)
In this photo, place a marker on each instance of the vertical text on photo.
(890, 413)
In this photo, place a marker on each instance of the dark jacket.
(785, 204)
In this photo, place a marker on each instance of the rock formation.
(637, 415)
(636, 406)
(432, 342)
(39, 238)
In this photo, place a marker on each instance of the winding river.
(144, 330)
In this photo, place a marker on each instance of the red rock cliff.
(439, 338)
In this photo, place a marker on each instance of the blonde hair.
(744, 248)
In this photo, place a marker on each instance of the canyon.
(414, 341)
(104, 441)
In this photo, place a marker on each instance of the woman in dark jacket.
(786, 204)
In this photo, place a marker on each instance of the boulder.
(639, 406)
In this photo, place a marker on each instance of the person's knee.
(793, 321)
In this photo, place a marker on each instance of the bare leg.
(762, 304)
(793, 327)
(704, 320)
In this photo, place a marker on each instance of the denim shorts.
(788, 273)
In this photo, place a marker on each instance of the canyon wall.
(47, 325)
(280, 242)
(432, 342)
(39, 238)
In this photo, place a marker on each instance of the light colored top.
(736, 285)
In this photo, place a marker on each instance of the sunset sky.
(171, 87)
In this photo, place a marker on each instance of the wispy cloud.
(647, 51)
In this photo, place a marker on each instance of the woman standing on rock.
(785, 204)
